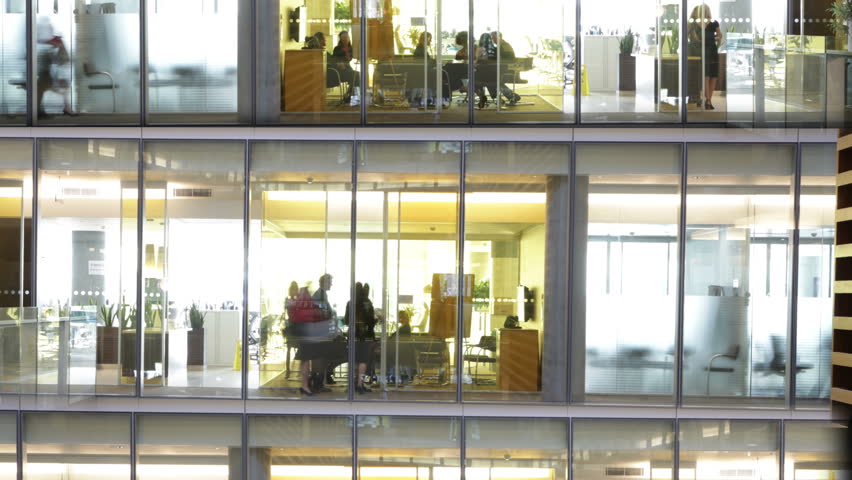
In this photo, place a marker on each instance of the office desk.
(518, 360)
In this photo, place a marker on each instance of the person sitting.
(492, 47)
(422, 49)
(317, 42)
(342, 54)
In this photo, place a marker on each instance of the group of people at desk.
(417, 87)
(321, 346)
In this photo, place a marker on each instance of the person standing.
(703, 25)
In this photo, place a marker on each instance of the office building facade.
(556, 239)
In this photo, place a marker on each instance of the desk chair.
(90, 71)
(733, 353)
(433, 359)
(334, 80)
(486, 350)
(777, 365)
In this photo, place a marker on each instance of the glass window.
(407, 289)
(623, 448)
(193, 61)
(525, 60)
(816, 256)
(8, 448)
(193, 267)
(298, 447)
(13, 63)
(416, 71)
(516, 224)
(311, 67)
(87, 62)
(816, 450)
(630, 61)
(16, 319)
(739, 210)
(387, 448)
(87, 264)
(721, 449)
(627, 210)
(76, 446)
(299, 260)
(504, 448)
(191, 447)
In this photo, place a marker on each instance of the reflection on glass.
(193, 61)
(816, 255)
(13, 63)
(193, 268)
(387, 448)
(87, 62)
(816, 450)
(406, 265)
(630, 61)
(76, 446)
(299, 447)
(719, 449)
(516, 448)
(416, 71)
(320, 67)
(628, 199)
(301, 203)
(516, 199)
(739, 220)
(87, 264)
(190, 447)
(525, 60)
(626, 448)
(8, 457)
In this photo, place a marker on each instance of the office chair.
(777, 365)
(90, 71)
(733, 353)
(484, 349)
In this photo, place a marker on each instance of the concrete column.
(245, 36)
(555, 324)
(260, 464)
(577, 336)
(268, 81)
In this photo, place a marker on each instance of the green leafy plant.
(196, 317)
(481, 294)
(625, 43)
(152, 314)
(107, 314)
(841, 10)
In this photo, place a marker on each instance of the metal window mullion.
(140, 280)
(143, 62)
(354, 440)
(34, 232)
(683, 82)
(681, 280)
(362, 21)
(793, 284)
(578, 71)
(463, 447)
(19, 443)
(245, 314)
(471, 57)
(676, 449)
(353, 232)
(460, 216)
(253, 72)
(570, 429)
(569, 294)
(781, 445)
(244, 445)
(30, 73)
(132, 419)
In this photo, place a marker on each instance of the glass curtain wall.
(816, 450)
(299, 447)
(387, 448)
(525, 58)
(194, 74)
(299, 268)
(87, 243)
(8, 446)
(408, 290)
(17, 317)
(630, 61)
(13, 63)
(516, 226)
(627, 211)
(509, 448)
(86, 61)
(717, 449)
(815, 303)
(76, 446)
(416, 72)
(622, 448)
(193, 268)
(739, 215)
(190, 447)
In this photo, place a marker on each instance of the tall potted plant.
(106, 348)
(841, 10)
(195, 337)
(626, 62)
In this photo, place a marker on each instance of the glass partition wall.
(817, 450)
(193, 268)
(625, 448)
(13, 63)
(514, 448)
(716, 449)
(387, 449)
(87, 245)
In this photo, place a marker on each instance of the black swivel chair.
(777, 365)
(482, 352)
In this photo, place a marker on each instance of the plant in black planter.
(841, 24)
(107, 340)
(627, 62)
(195, 337)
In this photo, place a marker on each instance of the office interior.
(634, 61)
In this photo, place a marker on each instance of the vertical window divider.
(578, 70)
(140, 274)
(569, 317)
(683, 83)
(681, 279)
(245, 314)
(460, 218)
(471, 57)
(30, 73)
(781, 444)
(132, 452)
(793, 284)
(676, 448)
(463, 446)
(354, 439)
(362, 107)
(143, 61)
(253, 72)
(244, 445)
(353, 232)
(34, 235)
(19, 442)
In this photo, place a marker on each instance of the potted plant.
(841, 10)
(195, 337)
(106, 351)
(626, 63)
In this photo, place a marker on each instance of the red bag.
(304, 309)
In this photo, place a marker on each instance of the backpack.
(304, 309)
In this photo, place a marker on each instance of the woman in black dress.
(712, 36)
